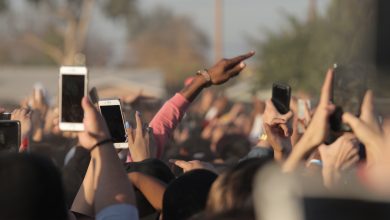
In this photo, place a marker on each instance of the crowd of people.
(197, 158)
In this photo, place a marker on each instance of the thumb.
(87, 106)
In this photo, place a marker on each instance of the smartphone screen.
(72, 94)
(281, 95)
(349, 87)
(113, 116)
(9, 136)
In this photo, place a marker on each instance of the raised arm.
(317, 129)
(106, 183)
(151, 188)
(174, 109)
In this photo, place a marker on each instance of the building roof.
(17, 82)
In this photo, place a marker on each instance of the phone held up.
(73, 85)
(349, 86)
(281, 95)
(111, 111)
(9, 136)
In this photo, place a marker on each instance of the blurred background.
(152, 46)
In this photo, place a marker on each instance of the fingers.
(326, 88)
(236, 69)
(181, 163)
(286, 130)
(139, 129)
(367, 111)
(130, 136)
(88, 107)
(359, 128)
(236, 60)
(350, 163)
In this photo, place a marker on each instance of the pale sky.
(242, 18)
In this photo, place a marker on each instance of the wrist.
(201, 81)
(104, 143)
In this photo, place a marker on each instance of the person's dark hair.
(232, 147)
(187, 195)
(30, 188)
(233, 189)
(229, 215)
(154, 168)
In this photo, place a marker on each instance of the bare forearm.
(111, 183)
(83, 203)
(150, 187)
(191, 91)
(297, 154)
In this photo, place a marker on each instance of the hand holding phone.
(281, 95)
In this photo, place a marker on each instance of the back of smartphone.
(281, 95)
(9, 136)
(73, 87)
(349, 87)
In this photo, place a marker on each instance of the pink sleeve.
(166, 120)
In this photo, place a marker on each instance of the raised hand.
(337, 157)
(276, 120)
(367, 129)
(140, 141)
(317, 129)
(193, 165)
(95, 128)
(228, 68)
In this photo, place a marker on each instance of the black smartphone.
(5, 116)
(112, 114)
(281, 95)
(9, 136)
(349, 86)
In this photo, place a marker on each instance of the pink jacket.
(166, 120)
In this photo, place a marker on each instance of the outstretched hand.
(140, 141)
(367, 129)
(95, 128)
(226, 69)
(337, 157)
(193, 165)
(317, 130)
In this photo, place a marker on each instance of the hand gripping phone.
(112, 114)
(73, 85)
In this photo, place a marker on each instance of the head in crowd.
(233, 189)
(30, 188)
(232, 147)
(187, 195)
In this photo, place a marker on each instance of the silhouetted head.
(30, 188)
(187, 195)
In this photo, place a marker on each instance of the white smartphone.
(112, 113)
(73, 86)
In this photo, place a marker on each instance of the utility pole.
(218, 35)
(312, 11)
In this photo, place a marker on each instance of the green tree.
(301, 53)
